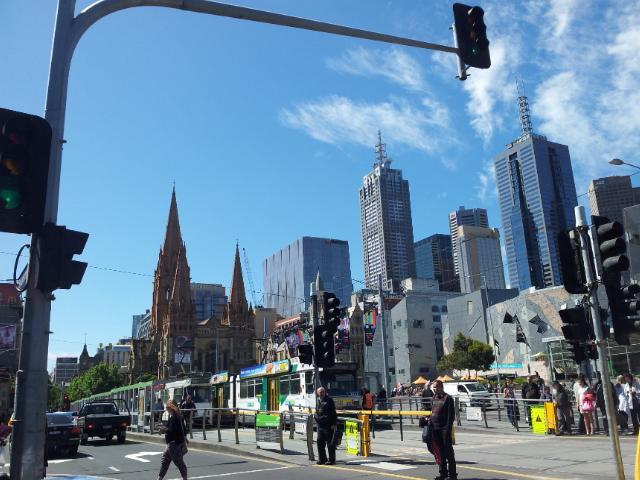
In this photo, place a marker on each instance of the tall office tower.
(480, 259)
(434, 259)
(287, 274)
(609, 195)
(475, 217)
(537, 195)
(386, 226)
(209, 299)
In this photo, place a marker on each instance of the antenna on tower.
(381, 153)
(523, 109)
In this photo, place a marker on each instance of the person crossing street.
(441, 424)
(327, 421)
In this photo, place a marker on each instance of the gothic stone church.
(177, 343)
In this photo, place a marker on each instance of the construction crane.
(249, 277)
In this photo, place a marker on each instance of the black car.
(62, 434)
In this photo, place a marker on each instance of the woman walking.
(176, 442)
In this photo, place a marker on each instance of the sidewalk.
(525, 455)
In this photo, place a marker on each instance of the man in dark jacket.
(530, 391)
(327, 421)
(188, 408)
(598, 387)
(442, 417)
(427, 396)
(563, 404)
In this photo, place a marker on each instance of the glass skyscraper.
(386, 226)
(537, 195)
(208, 300)
(288, 273)
(434, 259)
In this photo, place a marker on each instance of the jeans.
(325, 439)
(443, 451)
(173, 452)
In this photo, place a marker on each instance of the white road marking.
(114, 469)
(60, 460)
(138, 456)
(392, 467)
(228, 474)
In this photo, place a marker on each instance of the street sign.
(353, 437)
(538, 420)
(474, 414)
(268, 431)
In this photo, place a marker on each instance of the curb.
(218, 448)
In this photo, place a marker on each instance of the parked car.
(103, 419)
(471, 394)
(62, 434)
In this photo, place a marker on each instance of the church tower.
(238, 314)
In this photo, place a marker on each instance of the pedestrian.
(530, 392)
(633, 391)
(381, 397)
(509, 394)
(599, 389)
(586, 406)
(174, 436)
(576, 398)
(367, 399)
(427, 397)
(327, 421)
(563, 406)
(624, 410)
(441, 424)
(546, 394)
(187, 407)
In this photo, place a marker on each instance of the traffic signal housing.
(573, 274)
(57, 269)
(305, 354)
(471, 35)
(623, 302)
(324, 346)
(577, 351)
(331, 310)
(25, 144)
(576, 324)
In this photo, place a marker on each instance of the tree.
(98, 379)
(54, 397)
(146, 377)
(468, 354)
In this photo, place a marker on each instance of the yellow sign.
(552, 421)
(538, 420)
(353, 437)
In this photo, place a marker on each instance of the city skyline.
(125, 148)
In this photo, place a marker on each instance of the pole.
(385, 355)
(594, 305)
(314, 323)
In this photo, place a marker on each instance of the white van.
(472, 394)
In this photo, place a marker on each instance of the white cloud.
(487, 185)
(336, 120)
(392, 63)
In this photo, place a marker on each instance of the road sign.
(474, 413)
(353, 437)
(538, 420)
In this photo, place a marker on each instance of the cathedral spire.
(172, 236)
(238, 297)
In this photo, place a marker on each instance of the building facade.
(137, 321)
(117, 355)
(434, 259)
(609, 196)
(11, 307)
(480, 258)
(537, 196)
(386, 225)
(475, 217)
(66, 368)
(287, 274)
(208, 300)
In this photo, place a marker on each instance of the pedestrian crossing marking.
(392, 467)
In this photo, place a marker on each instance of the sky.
(267, 131)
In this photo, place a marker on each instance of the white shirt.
(623, 398)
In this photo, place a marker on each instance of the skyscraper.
(434, 259)
(475, 217)
(537, 195)
(480, 259)
(208, 299)
(386, 226)
(287, 274)
(609, 195)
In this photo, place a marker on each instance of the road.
(140, 461)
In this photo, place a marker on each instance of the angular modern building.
(480, 259)
(386, 225)
(288, 273)
(434, 259)
(475, 217)
(608, 196)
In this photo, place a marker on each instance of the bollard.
(498, 403)
(235, 425)
(365, 442)
(280, 429)
(152, 425)
(411, 408)
(401, 430)
(204, 430)
(373, 426)
(483, 410)
(219, 418)
(310, 438)
(456, 407)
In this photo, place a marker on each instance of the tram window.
(250, 388)
(243, 389)
(308, 382)
(285, 385)
(200, 394)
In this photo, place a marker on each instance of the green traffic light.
(10, 198)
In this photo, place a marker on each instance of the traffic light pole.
(594, 306)
(385, 352)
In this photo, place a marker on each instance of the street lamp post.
(618, 162)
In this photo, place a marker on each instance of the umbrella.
(420, 381)
(445, 378)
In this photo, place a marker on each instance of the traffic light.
(25, 143)
(305, 354)
(471, 35)
(577, 351)
(332, 312)
(623, 303)
(576, 324)
(592, 351)
(573, 274)
(324, 346)
(57, 269)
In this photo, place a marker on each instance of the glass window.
(59, 419)
(418, 324)
(244, 387)
(469, 307)
(308, 382)
(444, 309)
(435, 309)
(285, 385)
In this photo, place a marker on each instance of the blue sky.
(268, 131)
